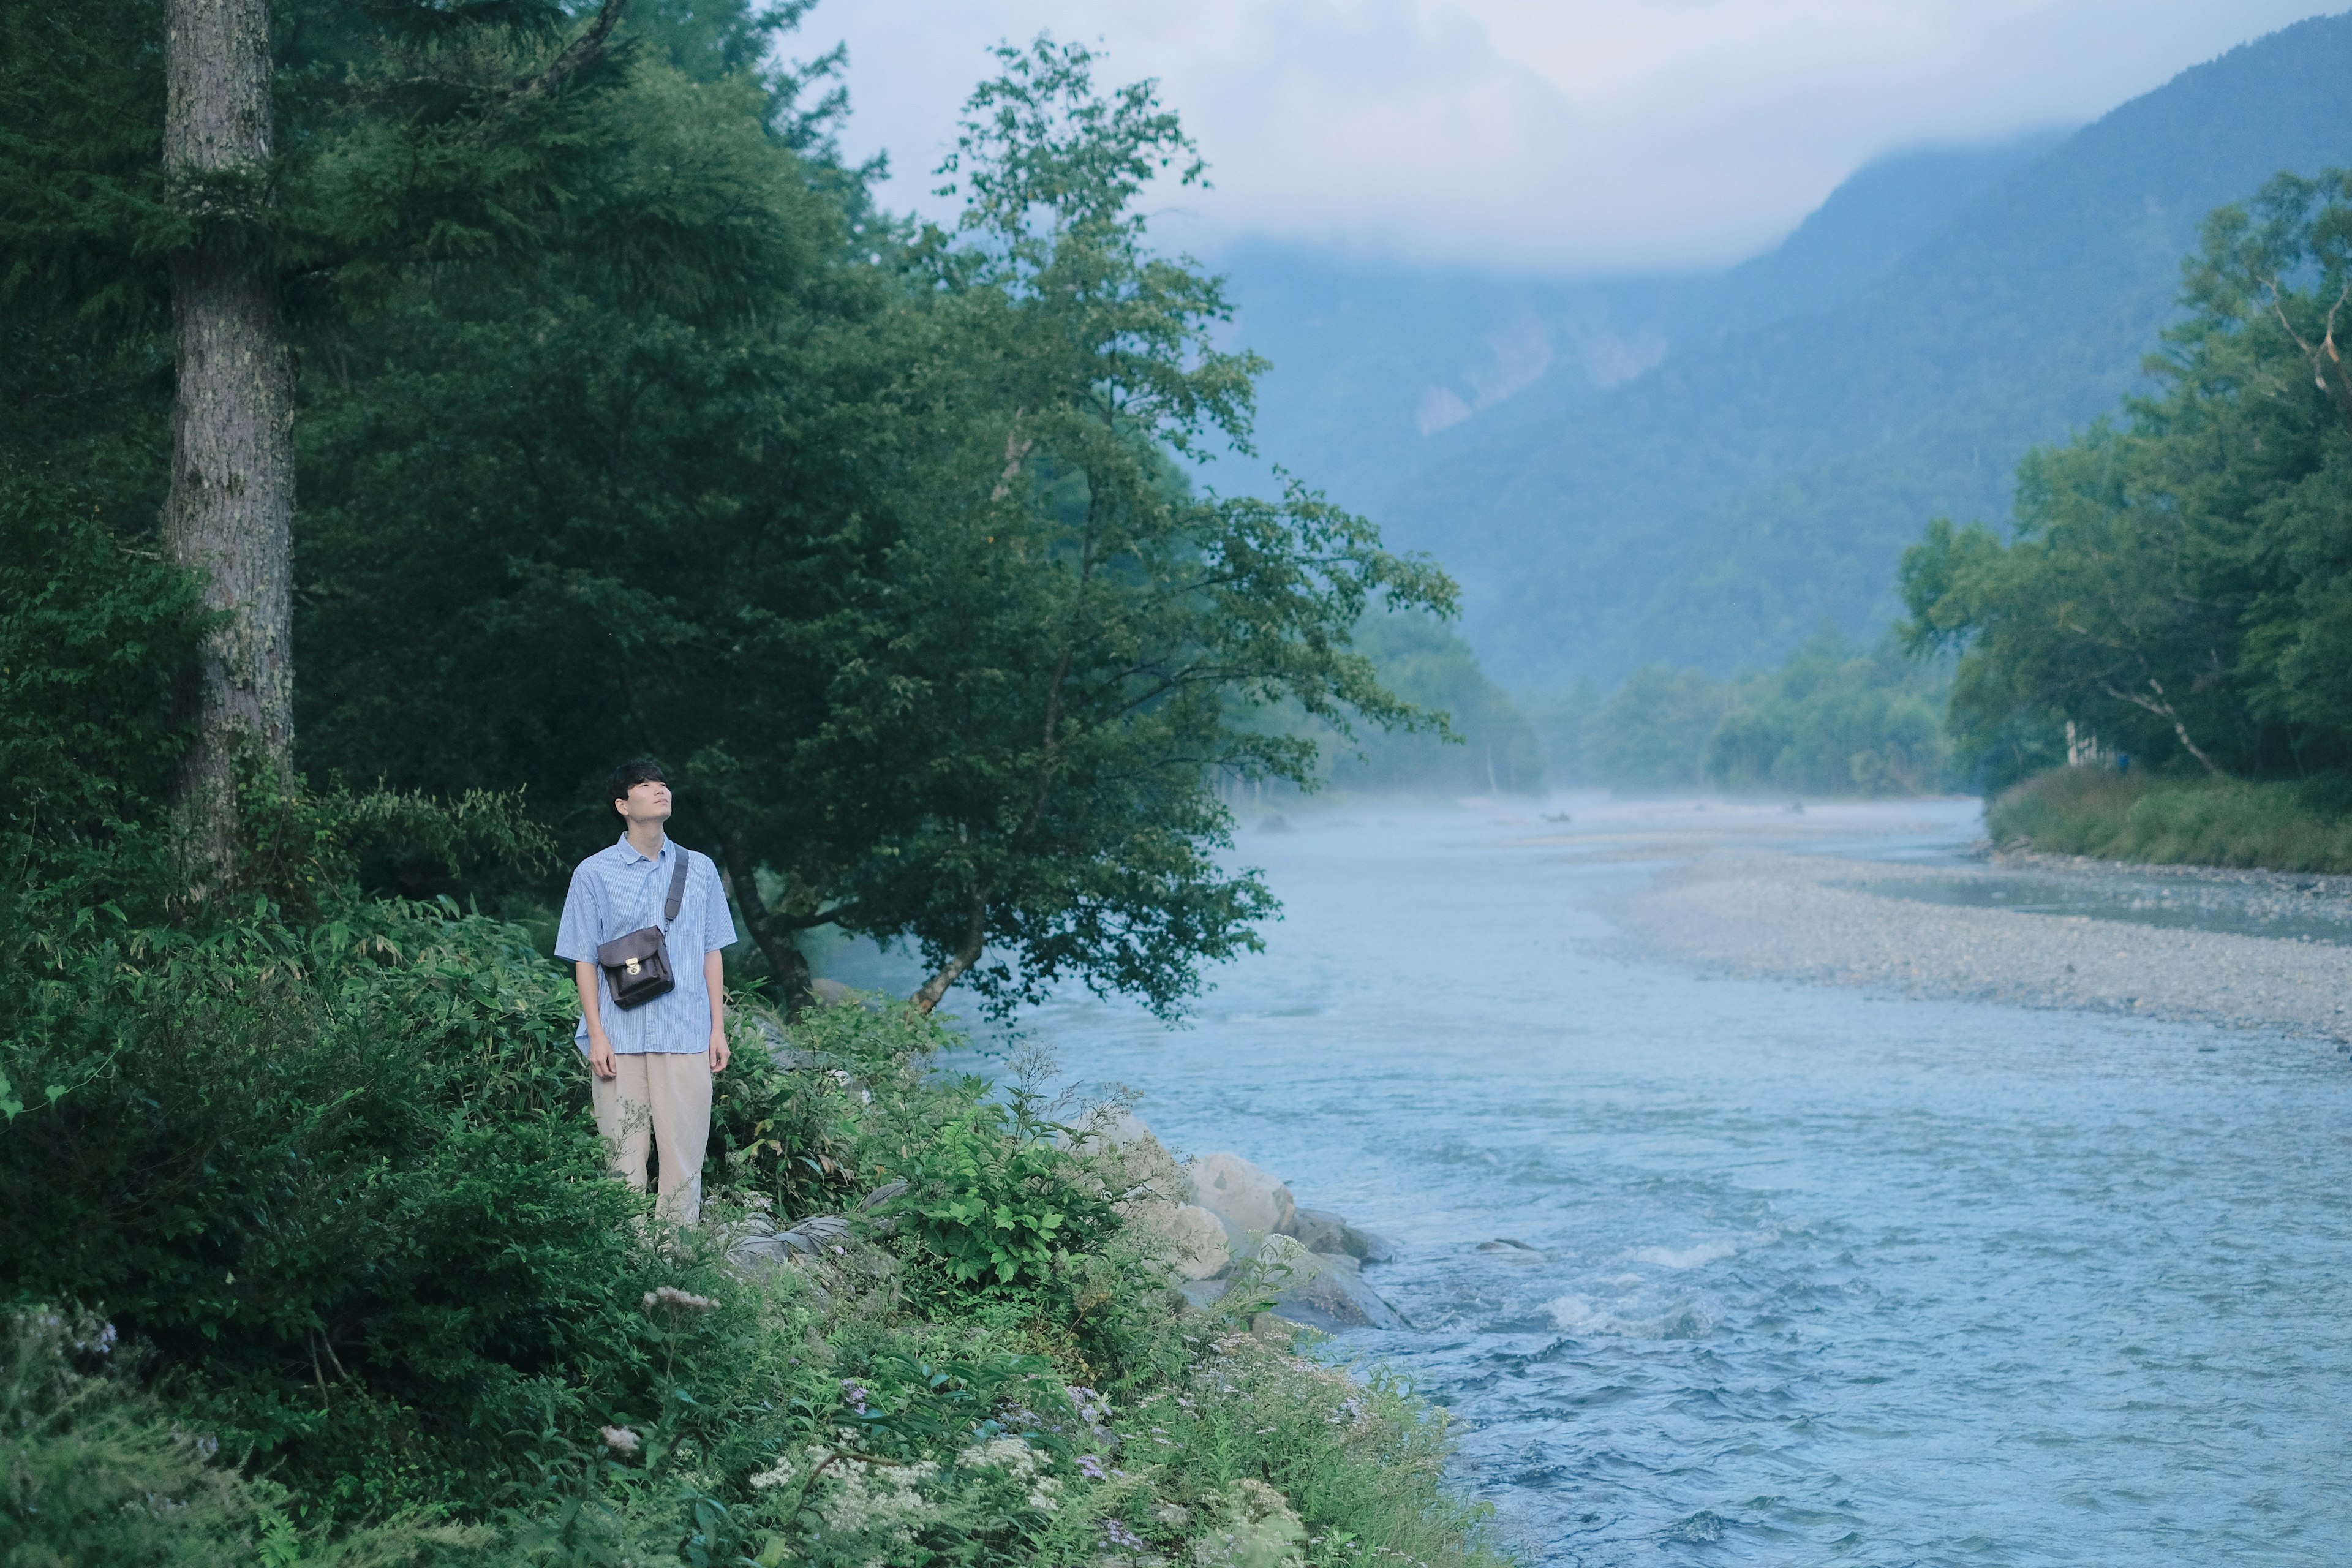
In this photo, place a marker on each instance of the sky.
(1550, 137)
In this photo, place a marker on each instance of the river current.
(1802, 1275)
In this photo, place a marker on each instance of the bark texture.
(230, 510)
(794, 982)
(974, 942)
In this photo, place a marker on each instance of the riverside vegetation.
(369, 1297)
(623, 422)
(2170, 606)
(2174, 589)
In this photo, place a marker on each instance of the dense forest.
(2174, 592)
(415, 409)
(1832, 721)
(624, 425)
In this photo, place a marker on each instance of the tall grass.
(2279, 825)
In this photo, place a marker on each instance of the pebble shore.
(1822, 919)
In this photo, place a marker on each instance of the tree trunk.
(229, 512)
(795, 984)
(975, 940)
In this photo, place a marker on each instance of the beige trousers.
(663, 1099)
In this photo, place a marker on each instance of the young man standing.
(650, 1065)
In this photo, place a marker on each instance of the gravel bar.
(1772, 896)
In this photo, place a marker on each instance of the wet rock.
(1323, 1290)
(1321, 1230)
(832, 992)
(1241, 1194)
(1503, 1244)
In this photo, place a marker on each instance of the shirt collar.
(630, 857)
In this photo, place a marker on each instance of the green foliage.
(1000, 1205)
(86, 1479)
(338, 1174)
(1653, 732)
(2279, 824)
(1833, 722)
(1829, 722)
(872, 536)
(2172, 586)
(93, 1470)
(625, 426)
(1486, 745)
(96, 636)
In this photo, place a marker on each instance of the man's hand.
(600, 1057)
(719, 1054)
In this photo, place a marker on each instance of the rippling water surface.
(1810, 1277)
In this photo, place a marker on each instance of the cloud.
(1555, 136)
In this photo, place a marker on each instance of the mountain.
(1702, 470)
(1370, 359)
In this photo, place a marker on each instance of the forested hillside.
(1370, 358)
(1767, 474)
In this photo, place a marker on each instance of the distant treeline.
(1488, 745)
(1834, 719)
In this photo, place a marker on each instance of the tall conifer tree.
(230, 510)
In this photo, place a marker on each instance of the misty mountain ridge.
(1702, 470)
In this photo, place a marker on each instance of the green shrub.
(340, 1179)
(93, 1471)
(2276, 825)
(999, 1204)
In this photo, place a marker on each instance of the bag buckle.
(631, 968)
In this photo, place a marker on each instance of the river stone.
(1324, 1291)
(1322, 1231)
(1197, 1246)
(1229, 1185)
(832, 992)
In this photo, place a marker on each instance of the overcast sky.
(1556, 136)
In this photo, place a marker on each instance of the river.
(1803, 1275)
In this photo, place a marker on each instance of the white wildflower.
(620, 1439)
(678, 1300)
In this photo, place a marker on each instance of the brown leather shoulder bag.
(637, 965)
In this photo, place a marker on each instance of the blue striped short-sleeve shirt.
(617, 890)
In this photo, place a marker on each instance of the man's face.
(645, 802)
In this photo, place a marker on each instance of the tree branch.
(975, 938)
(2327, 372)
(581, 52)
(2162, 709)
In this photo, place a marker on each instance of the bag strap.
(676, 886)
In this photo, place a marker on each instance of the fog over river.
(1808, 1273)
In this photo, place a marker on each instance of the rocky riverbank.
(1227, 1220)
(2241, 950)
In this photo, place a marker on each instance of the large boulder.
(1132, 1161)
(1242, 1194)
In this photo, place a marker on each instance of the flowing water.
(1803, 1276)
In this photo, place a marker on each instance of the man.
(650, 1065)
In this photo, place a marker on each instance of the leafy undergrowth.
(2276, 825)
(314, 1261)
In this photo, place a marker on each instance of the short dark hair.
(629, 775)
